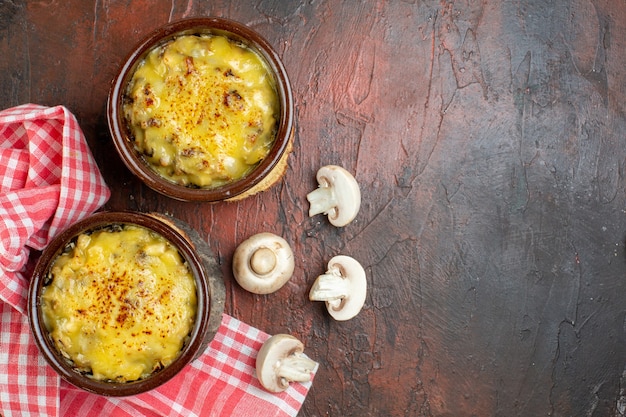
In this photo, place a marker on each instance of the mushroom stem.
(330, 287)
(322, 200)
(295, 368)
(263, 261)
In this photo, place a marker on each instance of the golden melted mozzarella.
(121, 303)
(202, 110)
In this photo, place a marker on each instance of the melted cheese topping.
(121, 303)
(202, 110)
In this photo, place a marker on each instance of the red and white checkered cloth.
(49, 180)
(221, 382)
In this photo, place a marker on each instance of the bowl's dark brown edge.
(209, 311)
(120, 135)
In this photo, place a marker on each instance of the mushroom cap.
(351, 270)
(263, 263)
(275, 350)
(346, 191)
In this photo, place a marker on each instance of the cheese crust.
(121, 303)
(203, 110)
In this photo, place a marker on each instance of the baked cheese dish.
(120, 304)
(202, 110)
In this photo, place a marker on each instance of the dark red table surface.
(489, 141)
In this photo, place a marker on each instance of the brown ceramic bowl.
(266, 173)
(209, 290)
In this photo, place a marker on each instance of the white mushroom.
(281, 361)
(337, 196)
(263, 263)
(343, 287)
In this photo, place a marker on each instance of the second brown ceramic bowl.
(266, 173)
(209, 290)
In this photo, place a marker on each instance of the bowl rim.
(214, 25)
(46, 346)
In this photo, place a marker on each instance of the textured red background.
(488, 139)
